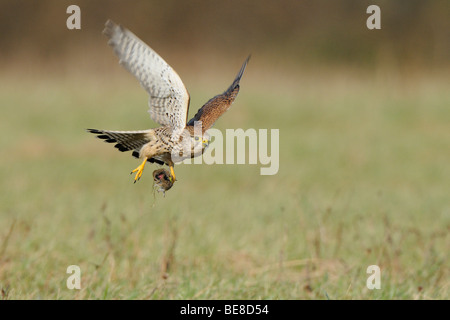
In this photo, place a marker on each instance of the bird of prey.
(177, 138)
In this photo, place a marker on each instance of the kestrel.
(176, 139)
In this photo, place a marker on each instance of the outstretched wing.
(215, 107)
(169, 99)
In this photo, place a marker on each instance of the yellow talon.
(139, 170)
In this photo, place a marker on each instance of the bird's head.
(200, 143)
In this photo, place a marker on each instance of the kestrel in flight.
(176, 139)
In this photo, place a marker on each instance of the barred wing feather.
(169, 99)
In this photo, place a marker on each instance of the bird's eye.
(196, 138)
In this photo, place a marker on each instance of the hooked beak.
(205, 143)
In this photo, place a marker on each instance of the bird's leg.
(139, 170)
(172, 173)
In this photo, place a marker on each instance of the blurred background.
(364, 152)
(414, 34)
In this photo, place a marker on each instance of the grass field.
(364, 180)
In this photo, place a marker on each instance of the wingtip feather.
(235, 84)
(110, 29)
